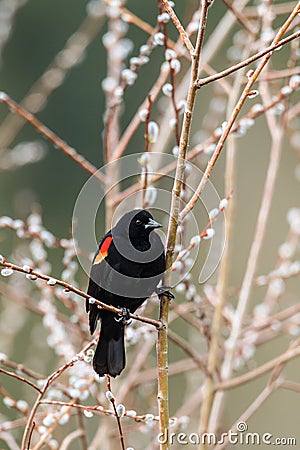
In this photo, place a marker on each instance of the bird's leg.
(123, 317)
(164, 290)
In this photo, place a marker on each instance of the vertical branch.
(172, 79)
(230, 180)
(258, 237)
(162, 345)
(245, 94)
(112, 113)
(112, 399)
(82, 435)
(259, 232)
(144, 163)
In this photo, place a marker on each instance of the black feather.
(125, 272)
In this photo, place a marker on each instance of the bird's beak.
(153, 224)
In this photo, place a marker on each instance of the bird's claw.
(123, 317)
(164, 290)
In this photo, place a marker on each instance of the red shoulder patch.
(103, 250)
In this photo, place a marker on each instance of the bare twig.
(53, 76)
(52, 137)
(30, 435)
(117, 416)
(230, 181)
(246, 92)
(18, 377)
(246, 62)
(162, 346)
(259, 371)
(68, 440)
(77, 291)
(259, 233)
(179, 27)
(51, 378)
(240, 17)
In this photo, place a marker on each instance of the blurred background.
(42, 179)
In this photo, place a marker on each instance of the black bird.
(127, 267)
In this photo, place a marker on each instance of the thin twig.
(259, 234)
(51, 378)
(246, 92)
(70, 438)
(230, 181)
(162, 345)
(259, 371)
(52, 137)
(118, 418)
(240, 17)
(79, 292)
(246, 62)
(179, 27)
(30, 435)
(97, 409)
(43, 87)
(18, 377)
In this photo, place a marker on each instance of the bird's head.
(137, 223)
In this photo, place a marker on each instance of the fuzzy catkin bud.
(120, 410)
(170, 54)
(109, 395)
(27, 268)
(213, 213)
(163, 18)
(6, 272)
(223, 203)
(210, 232)
(175, 65)
(167, 89)
(153, 130)
(159, 39)
(252, 94)
(143, 113)
(195, 240)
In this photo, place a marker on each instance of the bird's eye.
(138, 221)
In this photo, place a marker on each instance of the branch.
(259, 371)
(179, 27)
(162, 345)
(98, 409)
(246, 92)
(240, 17)
(186, 347)
(252, 408)
(51, 378)
(118, 416)
(18, 377)
(70, 438)
(52, 137)
(201, 82)
(54, 75)
(37, 275)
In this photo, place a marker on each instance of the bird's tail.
(109, 356)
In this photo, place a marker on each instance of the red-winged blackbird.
(126, 270)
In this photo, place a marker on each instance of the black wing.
(94, 289)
